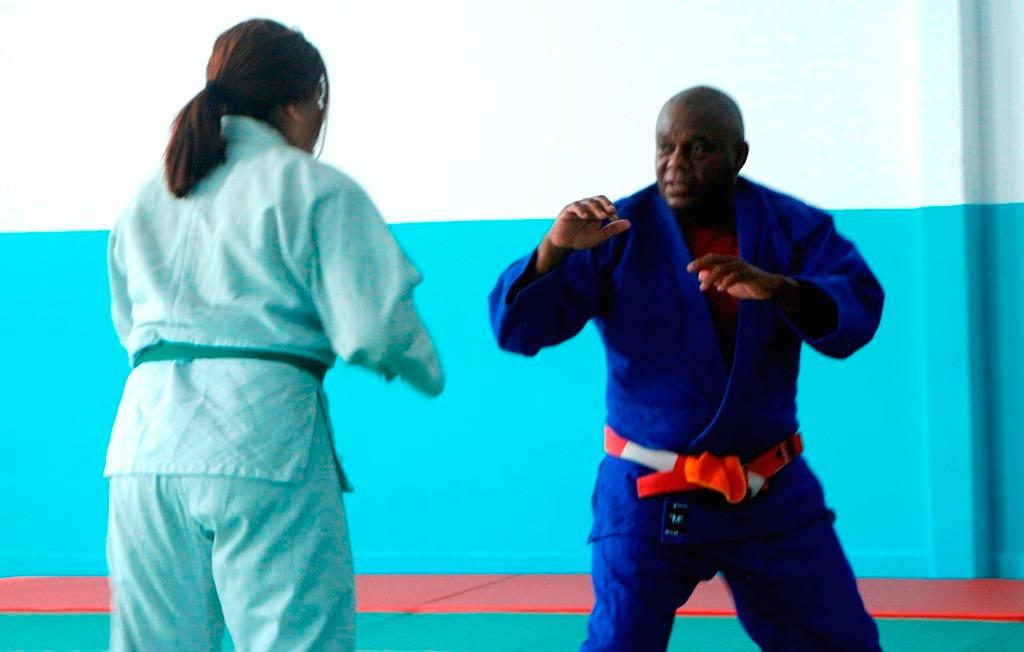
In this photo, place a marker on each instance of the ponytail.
(196, 145)
(256, 66)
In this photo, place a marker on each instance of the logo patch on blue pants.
(675, 520)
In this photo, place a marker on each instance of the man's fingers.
(614, 228)
(709, 260)
(576, 211)
(591, 208)
(580, 211)
(608, 205)
(597, 208)
(717, 272)
(712, 276)
(728, 281)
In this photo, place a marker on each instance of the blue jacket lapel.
(751, 313)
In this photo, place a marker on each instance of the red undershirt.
(725, 308)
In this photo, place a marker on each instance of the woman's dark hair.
(256, 67)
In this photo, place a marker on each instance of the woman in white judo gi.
(237, 276)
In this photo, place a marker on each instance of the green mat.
(525, 632)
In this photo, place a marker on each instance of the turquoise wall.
(910, 436)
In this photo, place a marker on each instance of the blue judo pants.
(793, 593)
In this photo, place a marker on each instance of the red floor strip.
(562, 594)
(54, 595)
(985, 599)
(409, 593)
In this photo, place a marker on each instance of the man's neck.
(720, 214)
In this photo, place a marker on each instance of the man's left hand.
(737, 277)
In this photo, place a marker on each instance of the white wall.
(454, 110)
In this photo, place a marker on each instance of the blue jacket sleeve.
(831, 263)
(529, 314)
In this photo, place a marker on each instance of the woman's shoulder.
(311, 175)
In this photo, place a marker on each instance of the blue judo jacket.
(668, 385)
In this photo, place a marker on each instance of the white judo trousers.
(271, 560)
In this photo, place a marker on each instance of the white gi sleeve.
(120, 305)
(362, 284)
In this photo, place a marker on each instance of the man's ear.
(742, 150)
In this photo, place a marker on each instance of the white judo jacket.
(272, 251)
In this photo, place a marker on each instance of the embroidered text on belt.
(726, 475)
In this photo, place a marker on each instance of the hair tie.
(217, 91)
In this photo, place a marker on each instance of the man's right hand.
(580, 225)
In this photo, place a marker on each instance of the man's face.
(697, 157)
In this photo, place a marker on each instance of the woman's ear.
(299, 123)
(302, 111)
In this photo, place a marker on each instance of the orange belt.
(726, 475)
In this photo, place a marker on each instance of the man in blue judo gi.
(703, 288)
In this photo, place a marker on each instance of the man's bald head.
(700, 148)
(712, 105)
